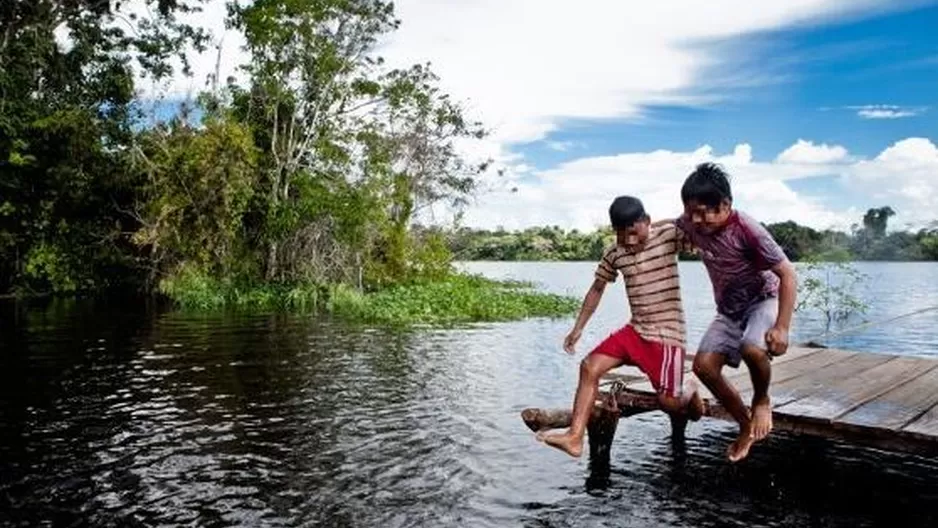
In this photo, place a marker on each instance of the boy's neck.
(731, 218)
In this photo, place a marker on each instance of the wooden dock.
(878, 400)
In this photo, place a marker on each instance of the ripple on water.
(146, 419)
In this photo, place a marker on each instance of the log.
(543, 419)
(600, 432)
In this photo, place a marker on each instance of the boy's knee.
(752, 353)
(590, 369)
(670, 404)
(705, 369)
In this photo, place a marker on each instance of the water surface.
(118, 413)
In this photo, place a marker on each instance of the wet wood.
(841, 395)
(815, 381)
(925, 426)
(879, 400)
(600, 432)
(899, 406)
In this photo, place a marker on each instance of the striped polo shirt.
(651, 284)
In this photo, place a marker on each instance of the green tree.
(351, 150)
(66, 115)
(830, 288)
(876, 220)
(197, 190)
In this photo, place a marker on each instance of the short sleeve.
(767, 252)
(684, 244)
(606, 269)
(686, 230)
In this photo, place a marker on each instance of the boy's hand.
(777, 340)
(570, 341)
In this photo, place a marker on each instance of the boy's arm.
(605, 273)
(777, 338)
(590, 302)
(769, 255)
(663, 222)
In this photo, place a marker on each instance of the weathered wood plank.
(792, 370)
(838, 395)
(898, 407)
(925, 426)
(787, 370)
(809, 383)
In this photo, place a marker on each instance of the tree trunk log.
(601, 431)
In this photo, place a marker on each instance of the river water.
(119, 413)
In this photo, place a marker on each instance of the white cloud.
(524, 66)
(577, 194)
(885, 111)
(527, 65)
(806, 152)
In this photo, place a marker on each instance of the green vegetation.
(296, 187)
(830, 289)
(455, 299)
(866, 241)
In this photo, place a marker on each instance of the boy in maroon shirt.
(754, 288)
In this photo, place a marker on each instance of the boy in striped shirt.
(654, 339)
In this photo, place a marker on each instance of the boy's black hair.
(708, 185)
(625, 211)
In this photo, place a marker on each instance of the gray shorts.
(727, 336)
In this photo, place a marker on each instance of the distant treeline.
(867, 240)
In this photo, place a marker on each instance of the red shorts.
(662, 363)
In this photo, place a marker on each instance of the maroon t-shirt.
(738, 258)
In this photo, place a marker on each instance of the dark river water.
(119, 413)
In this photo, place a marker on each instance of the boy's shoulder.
(748, 227)
(612, 250)
(745, 218)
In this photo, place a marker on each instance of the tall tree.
(333, 122)
(876, 220)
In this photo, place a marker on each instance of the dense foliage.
(296, 187)
(866, 241)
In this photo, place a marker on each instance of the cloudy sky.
(818, 108)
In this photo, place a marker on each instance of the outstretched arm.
(590, 302)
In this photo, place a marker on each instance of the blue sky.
(890, 59)
(818, 108)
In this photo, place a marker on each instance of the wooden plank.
(799, 387)
(926, 425)
(782, 372)
(897, 407)
(841, 394)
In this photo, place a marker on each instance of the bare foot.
(761, 419)
(739, 449)
(565, 442)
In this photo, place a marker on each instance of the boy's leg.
(675, 397)
(689, 404)
(607, 356)
(760, 319)
(721, 346)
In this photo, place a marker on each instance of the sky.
(818, 109)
